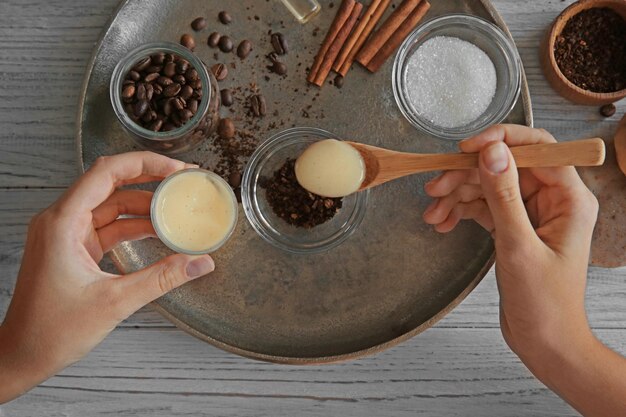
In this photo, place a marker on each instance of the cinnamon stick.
(388, 28)
(398, 37)
(335, 47)
(380, 10)
(343, 14)
(354, 36)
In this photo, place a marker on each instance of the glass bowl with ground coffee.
(165, 98)
(456, 75)
(285, 214)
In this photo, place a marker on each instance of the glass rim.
(127, 62)
(169, 243)
(258, 220)
(490, 31)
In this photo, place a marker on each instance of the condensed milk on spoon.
(330, 168)
(194, 211)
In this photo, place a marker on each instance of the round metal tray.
(391, 280)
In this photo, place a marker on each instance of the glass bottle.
(303, 10)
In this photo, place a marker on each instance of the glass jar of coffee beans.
(165, 98)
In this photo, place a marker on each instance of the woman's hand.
(63, 304)
(542, 220)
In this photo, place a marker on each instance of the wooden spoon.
(382, 165)
(620, 144)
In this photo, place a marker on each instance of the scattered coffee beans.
(188, 42)
(294, 204)
(277, 67)
(279, 43)
(214, 39)
(227, 97)
(220, 71)
(258, 106)
(198, 24)
(590, 50)
(224, 17)
(226, 44)
(234, 179)
(162, 92)
(226, 129)
(244, 48)
(338, 81)
(607, 110)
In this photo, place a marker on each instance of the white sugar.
(449, 81)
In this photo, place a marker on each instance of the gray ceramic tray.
(394, 278)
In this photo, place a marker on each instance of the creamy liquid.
(330, 168)
(194, 211)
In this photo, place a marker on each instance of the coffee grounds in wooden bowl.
(591, 50)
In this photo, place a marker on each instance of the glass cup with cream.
(194, 211)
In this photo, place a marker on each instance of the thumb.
(500, 183)
(158, 279)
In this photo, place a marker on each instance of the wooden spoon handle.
(585, 152)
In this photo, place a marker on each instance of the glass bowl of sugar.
(456, 75)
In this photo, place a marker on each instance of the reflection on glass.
(303, 10)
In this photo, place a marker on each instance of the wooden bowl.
(550, 68)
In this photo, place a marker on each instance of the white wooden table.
(461, 367)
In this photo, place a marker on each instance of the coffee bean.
(226, 129)
(186, 92)
(224, 17)
(214, 39)
(238, 194)
(149, 92)
(191, 74)
(197, 84)
(128, 92)
(278, 68)
(164, 81)
(134, 75)
(158, 59)
(170, 58)
(220, 71)
(141, 91)
(151, 77)
(192, 105)
(180, 79)
(172, 90)
(147, 117)
(167, 106)
(168, 127)
(178, 103)
(142, 64)
(188, 42)
(197, 93)
(170, 69)
(244, 48)
(153, 68)
(279, 43)
(338, 81)
(140, 108)
(158, 89)
(185, 115)
(234, 179)
(225, 44)
(156, 125)
(607, 110)
(198, 24)
(227, 97)
(258, 105)
(182, 66)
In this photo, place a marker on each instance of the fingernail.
(496, 158)
(189, 166)
(431, 182)
(200, 266)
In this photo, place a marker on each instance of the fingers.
(512, 135)
(476, 210)
(135, 202)
(500, 183)
(110, 172)
(440, 209)
(123, 230)
(145, 286)
(447, 182)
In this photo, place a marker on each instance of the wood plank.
(445, 372)
(605, 294)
